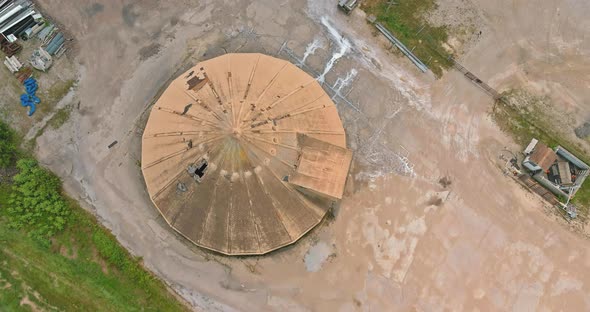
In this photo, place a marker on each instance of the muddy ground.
(402, 239)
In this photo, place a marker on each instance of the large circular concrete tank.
(244, 154)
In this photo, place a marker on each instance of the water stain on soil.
(94, 9)
(129, 15)
(149, 51)
(316, 256)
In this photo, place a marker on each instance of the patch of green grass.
(58, 90)
(582, 199)
(81, 267)
(525, 124)
(5, 191)
(60, 117)
(8, 147)
(407, 21)
(75, 273)
(522, 125)
(50, 97)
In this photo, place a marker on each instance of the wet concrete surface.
(481, 244)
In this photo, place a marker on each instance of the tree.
(7, 145)
(36, 203)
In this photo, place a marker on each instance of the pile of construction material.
(16, 67)
(54, 44)
(41, 60)
(45, 32)
(13, 64)
(24, 74)
(29, 99)
(18, 19)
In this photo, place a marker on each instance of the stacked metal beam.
(16, 16)
(13, 64)
(55, 44)
(4, 3)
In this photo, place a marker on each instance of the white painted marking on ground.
(310, 49)
(343, 45)
(342, 83)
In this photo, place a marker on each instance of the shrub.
(36, 203)
(108, 248)
(7, 145)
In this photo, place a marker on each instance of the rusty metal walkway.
(478, 82)
(469, 75)
(538, 188)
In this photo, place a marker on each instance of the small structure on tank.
(198, 170)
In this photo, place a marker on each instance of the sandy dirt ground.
(402, 239)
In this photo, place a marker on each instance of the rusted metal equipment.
(9, 48)
(23, 74)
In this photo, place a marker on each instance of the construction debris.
(55, 44)
(24, 74)
(12, 64)
(9, 48)
(41, 60)
(20, 20)
(45, 32)
(17, 17)
(31, 32)
(30, 99)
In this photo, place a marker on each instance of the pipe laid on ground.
(402, 47)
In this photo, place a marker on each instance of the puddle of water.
(316, 256)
